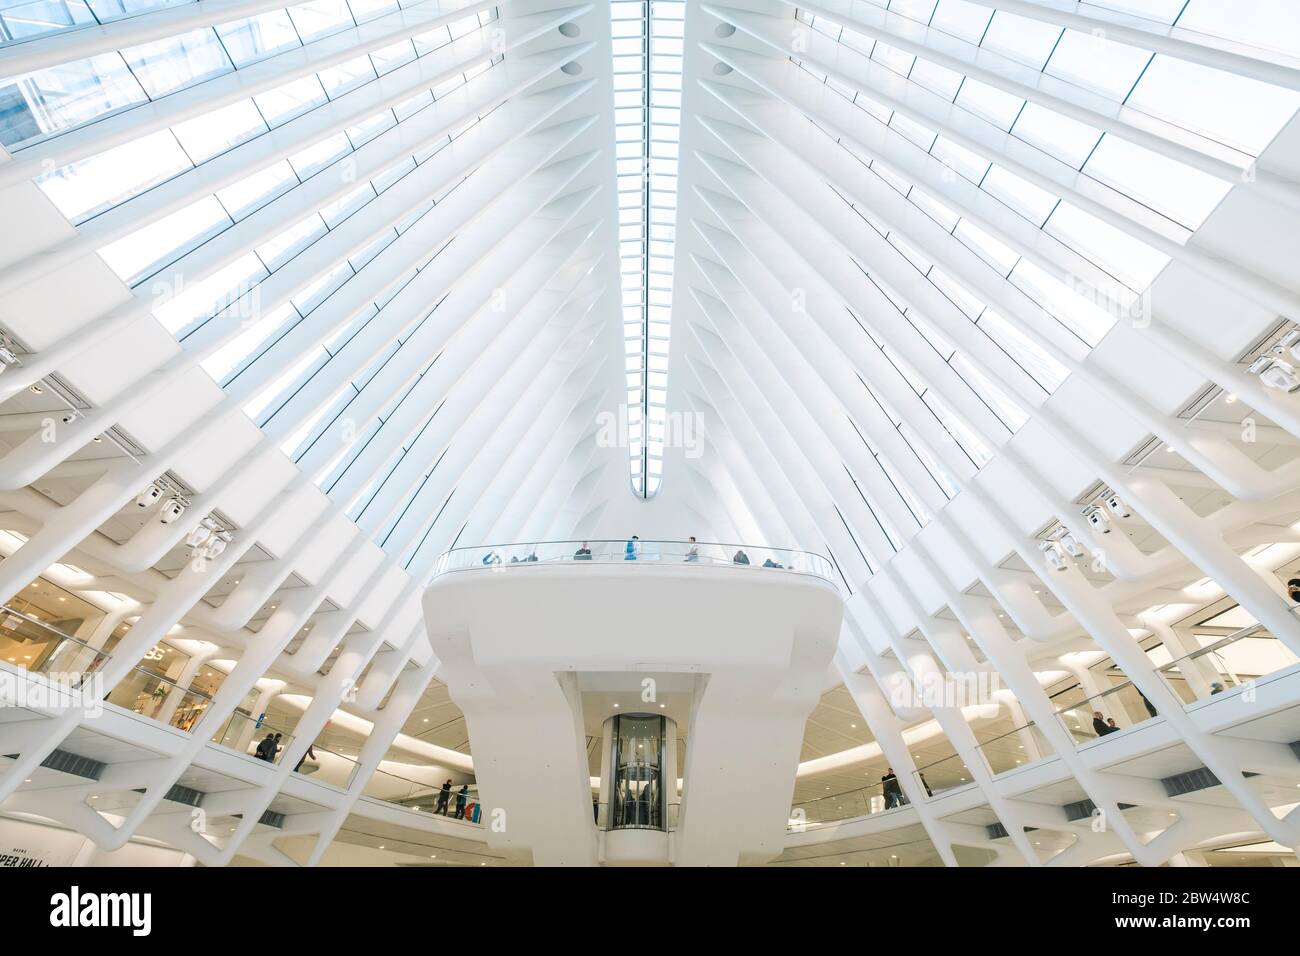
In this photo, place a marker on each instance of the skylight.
(647, 115)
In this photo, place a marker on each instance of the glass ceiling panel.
(647, 52)
(259, 341)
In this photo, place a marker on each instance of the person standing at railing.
(740, 557)
(693, 552)
(269, 748)
(1099, 724)
(266, 749)
(462, 798)
(583, 553)
(633, 548)
(444, 797)
(1293, 589)
(893, 792)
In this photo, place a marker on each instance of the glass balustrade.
(1015, 748)
(1086, 718)
(244, 733)
(946, 774)
(840, 806)
(33, 645)
(327, 766)
(460, 802)
(1226, 664)
(607, 552)
(158, 698)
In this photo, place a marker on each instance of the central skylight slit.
(647, 43)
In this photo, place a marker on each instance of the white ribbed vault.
(358, 282)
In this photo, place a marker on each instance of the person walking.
(303, 759)
(633, 548)
(693, 552)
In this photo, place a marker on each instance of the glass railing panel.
(35, 646)
(243, 733)
(459, 802)
(327, 766)
(843, 806)
(157, 698)
(1096, 716)
(1015, 748)
(949, 773)
(606, 551)
(1226, 664)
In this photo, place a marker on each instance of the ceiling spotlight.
(1116, 504)
(1275, 373)
(149, 496)
(1071, 545)
(172, 509)
(1099, 520)
(217, 545)
(7, 357)
(1055, 559)
(199, 536)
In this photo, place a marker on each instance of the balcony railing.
(749, 557)
(1209, 670)
(843, 806)
(950, 773)
(1116, 708)
(1015, 748)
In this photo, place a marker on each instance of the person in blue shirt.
(633, 547)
